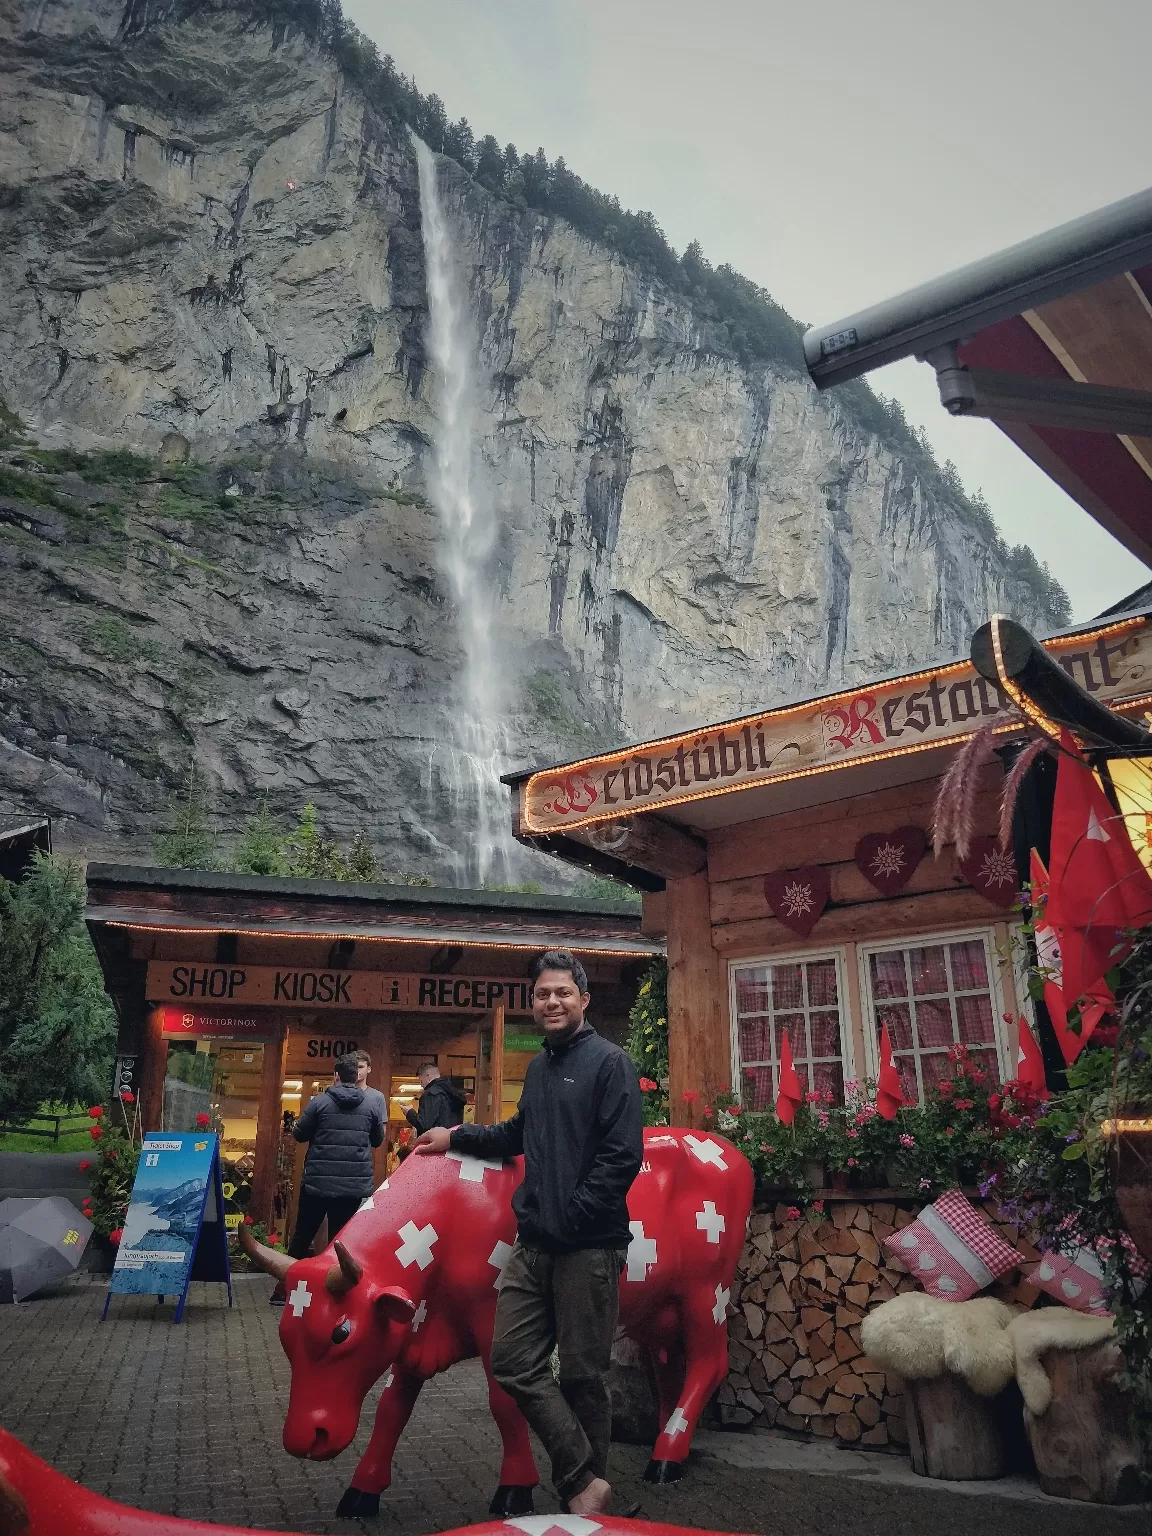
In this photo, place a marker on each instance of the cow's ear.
(395, 1305)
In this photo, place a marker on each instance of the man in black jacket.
(441, 1103)
(579, 1126)
(342, 1125)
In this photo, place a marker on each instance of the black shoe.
(277, 1298)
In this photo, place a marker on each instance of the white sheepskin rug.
(1050, 1328)
(917, 1336)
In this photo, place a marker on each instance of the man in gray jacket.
(341, 1125)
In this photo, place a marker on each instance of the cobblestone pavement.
(186, 1420)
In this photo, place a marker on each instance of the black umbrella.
(40, 1241)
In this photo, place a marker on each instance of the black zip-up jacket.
(579, 1125)
(343, 1124)
(441, 1103)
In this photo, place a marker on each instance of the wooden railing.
(56, 1122)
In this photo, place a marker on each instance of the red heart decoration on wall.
(798, 896)
(991, 870)
(887, 859)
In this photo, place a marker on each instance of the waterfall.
(467, 767)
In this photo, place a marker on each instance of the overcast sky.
(835, 152)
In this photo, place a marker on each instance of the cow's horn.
(277, 1264)
(344, 1275)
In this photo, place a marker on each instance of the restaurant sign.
(906, 714)
(195, 983)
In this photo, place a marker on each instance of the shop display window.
(804, 997)
(220, 1079)
(932, 996)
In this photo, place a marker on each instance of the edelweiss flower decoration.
(888, 860)
(991, 870)
(798, 896)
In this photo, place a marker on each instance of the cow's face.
(340, 1333)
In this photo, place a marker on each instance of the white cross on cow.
(419, 1315)
(416, 1244)
(641, 1252)
(677, 1423)
(709, 1220)
(540, 1525)
(499, 1259)
(472, 1168)
(707, 1151)
(300, 1298)
(720, 1310)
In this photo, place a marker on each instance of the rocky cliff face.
(206, 233)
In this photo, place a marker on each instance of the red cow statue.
(409, 1288)
(36, 1500)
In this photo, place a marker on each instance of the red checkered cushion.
(952, 1250)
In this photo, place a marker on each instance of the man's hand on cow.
(436, 1140)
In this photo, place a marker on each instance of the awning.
(1052, 340)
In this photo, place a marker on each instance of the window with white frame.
(934, 994)
(806, 998)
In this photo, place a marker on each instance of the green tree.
(362, 863)
(261, 850)
(311, 855)
(57, 1024)
(187, 841)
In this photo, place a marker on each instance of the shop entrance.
(219, 1079)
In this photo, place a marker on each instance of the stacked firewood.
(802, 1290)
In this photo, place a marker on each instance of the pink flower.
(829, 1098)
(978, 1074)
(962, 1103)
(764, 1147)
(852, 1135)
(925, 1183)
(948, 1131)
(852, 1162)
(817, 1205)
(907, 1141)
(944, 1088)
(823, 1121)
(812, 1097)
(792, 1213)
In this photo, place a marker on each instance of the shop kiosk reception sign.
(191, 985)
(174, 1231)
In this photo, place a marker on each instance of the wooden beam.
(646, 842)
(152, 1072)
(828, 834)
(269, 1119)
(737, 901)
(654, 914)
(865, 923)
(699, 1058)
(497, 1063)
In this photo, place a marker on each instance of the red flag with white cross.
(1050, 954)
(889, 1094)
(789, 1096)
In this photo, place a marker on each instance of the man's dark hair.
(560, 960)
(347, 1067)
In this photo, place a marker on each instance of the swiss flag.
(789, 1098)
(889, 1095)
(1098, 885)
(1050, 948)
(1029, 1061)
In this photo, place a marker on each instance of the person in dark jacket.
(341, 1125)
(579, 1126)
(441, 1103)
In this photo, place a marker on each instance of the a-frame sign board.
(174, 1231)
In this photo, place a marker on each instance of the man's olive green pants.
(567, 1302)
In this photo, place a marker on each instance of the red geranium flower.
(273, 1239)
(792, 1213)
(248, 1221)
(203, 1121)
(128, 1097)
(817, 1205)
(689, 1096)
(96, 1111)
(115, 1235)
(95, 1132)
(647, 1085)
(85, 1165)
(962, 1103)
